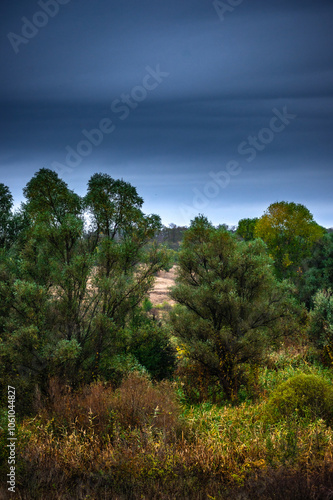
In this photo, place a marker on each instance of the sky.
(214, 107)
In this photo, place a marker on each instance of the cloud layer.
(224, 80)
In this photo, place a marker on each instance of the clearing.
(164, 281)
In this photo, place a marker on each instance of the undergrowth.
(141, 441)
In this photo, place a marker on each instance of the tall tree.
(57, 237)
(45, 282)
(125, 269)
(229, 299)
(70, 298)
(289, 231)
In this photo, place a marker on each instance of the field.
(164, 281)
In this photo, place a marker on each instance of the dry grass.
(136, 404)
(137, 443)
(164, 281)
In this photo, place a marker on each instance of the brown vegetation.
(138, 442)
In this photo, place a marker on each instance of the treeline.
(172, 235)
(75, 273)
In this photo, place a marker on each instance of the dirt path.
(163, 282)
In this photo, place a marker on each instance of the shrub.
(146, 305)
(303, 395)
(136, 404)
(151, 346)
(79, 409)
(197, 384)
(139, 403)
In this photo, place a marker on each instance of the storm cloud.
(86, 65)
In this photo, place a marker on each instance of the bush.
(151, 346)
(197, 384)
(304, 395)
(136, 404)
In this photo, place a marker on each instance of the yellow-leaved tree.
(289, 231)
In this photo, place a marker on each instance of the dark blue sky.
(214, 107)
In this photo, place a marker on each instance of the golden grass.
(137, 442)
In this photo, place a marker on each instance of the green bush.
(146, 305)
(304, 395)
(151, 346)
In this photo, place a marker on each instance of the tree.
(151, 346)
(246, 228)
(12, 223)
(114, 204)
(125, 268)
(289, 231)
(44, 287)
(68, 296)
(171, 236)
(228, 300)
(56, 244)
(317, 270)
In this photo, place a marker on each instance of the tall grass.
(139, 442)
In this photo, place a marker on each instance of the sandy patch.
(164, 281)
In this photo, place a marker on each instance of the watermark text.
(11, 481)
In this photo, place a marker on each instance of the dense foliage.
(317, 270)
(229, 301)
(302, 395)
(246, 228)
(70, 292)
(289, 231)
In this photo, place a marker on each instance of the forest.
(226, 393)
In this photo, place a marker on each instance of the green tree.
(246, 228)
(43, 286)
(63, 258)
(125, 267)
(289, 231)
(69, 295)
(151, 346)
(317, 270)
(229, 299)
